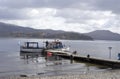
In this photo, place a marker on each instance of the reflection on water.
(29, 55)
(55, 65)
(52, 65)
(41, 66)
(12, 62)
(39, 58)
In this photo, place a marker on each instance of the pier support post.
(110, 48)
(71, 59)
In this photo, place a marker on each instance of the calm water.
(12, 64)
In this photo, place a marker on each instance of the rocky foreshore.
(98, 75)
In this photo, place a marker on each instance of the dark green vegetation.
(9, 30)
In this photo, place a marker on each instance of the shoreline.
(114, 74)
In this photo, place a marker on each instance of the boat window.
(31, 45)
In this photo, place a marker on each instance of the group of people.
(53, 45)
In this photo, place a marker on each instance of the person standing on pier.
(88, 57)
(46, 43)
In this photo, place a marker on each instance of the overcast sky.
(69, 15)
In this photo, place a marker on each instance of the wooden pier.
(104, 62)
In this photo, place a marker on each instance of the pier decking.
(105, 62)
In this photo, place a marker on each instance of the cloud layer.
(68, 15)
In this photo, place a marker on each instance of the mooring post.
(26, 56)
(71, 59)
(110, 48)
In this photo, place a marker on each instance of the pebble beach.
(91, 75)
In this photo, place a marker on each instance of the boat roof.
(32, 42)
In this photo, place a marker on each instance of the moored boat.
(56, 45)
(31, 47)
(34, 47)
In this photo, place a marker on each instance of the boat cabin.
(31, 45)
(54, 45)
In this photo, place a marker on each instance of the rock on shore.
(94, 75)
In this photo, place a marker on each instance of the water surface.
(11, 62)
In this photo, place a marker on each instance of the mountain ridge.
(104, 35)
(9, 30)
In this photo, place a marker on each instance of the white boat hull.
(31, 50)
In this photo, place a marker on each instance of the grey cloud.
(111, 5)
(36, 3)
(76, 15)
(13, 14)
(13, 7)
(16, 3)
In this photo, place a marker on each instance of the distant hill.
(9, 30)
(104, 35)
(71, 36)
